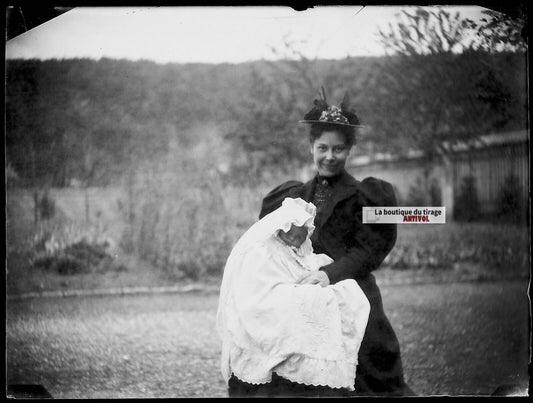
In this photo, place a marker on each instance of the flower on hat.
(331, 114)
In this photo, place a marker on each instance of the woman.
(273, 328)
(356, 248)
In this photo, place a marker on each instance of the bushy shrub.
(443, 247)
(186, 223)
(194, 245)
(91, 254)
(67, 264)
(191, 270)
(416, 196)
(466, 205)
(44, 262)
(435, 193)
(46, 206)
(81, 257)
(65, 248)
(511, 206)
(61, 263)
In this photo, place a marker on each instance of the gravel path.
(456, 339)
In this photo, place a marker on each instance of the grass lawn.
(456, 339)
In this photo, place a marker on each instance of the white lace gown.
(305, 333)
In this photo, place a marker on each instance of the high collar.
(329, 180)
(345, 186)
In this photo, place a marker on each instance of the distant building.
(491, 160)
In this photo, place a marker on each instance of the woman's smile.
(330, 153)
(325, 169)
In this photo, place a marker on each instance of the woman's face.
(330, 153)
(295, 236)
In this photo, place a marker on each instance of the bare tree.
(428, 32)
(439, 87)
(500, 32)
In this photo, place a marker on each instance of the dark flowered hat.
(322, 113)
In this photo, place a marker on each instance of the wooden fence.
(492, 160)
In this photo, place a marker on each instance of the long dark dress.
(357, 249)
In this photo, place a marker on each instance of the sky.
(210, 34)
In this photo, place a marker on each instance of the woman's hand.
(314, 277)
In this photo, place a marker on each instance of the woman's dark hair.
(346, 131)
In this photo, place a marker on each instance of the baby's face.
(295, 236)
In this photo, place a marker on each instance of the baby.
(305, 257)
(270, 322)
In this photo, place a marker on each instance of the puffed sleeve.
(275, 197)
(372, 242)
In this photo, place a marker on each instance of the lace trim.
(257, 369)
